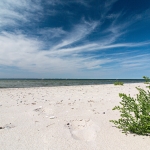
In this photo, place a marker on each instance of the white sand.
(65, 118)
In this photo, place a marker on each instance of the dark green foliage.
(118, 83)
(147, 80)
(135, 113)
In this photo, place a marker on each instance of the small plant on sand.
(118, 83)
(135, 113)
(147, 81)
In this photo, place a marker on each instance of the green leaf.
(135, 112)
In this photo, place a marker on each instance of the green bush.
(118, 83)
(147, 80)
(135, 113)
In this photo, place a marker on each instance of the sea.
(27, 83)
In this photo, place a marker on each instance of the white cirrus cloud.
(13, 12)
(79, 32)
(55, 50)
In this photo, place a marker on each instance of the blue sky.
(74, 39)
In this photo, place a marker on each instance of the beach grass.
(118, 83)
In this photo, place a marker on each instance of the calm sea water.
(25, 83)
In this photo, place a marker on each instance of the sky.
(91, 39)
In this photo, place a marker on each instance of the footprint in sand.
(47, 112)
(8, 126)
(85, 130)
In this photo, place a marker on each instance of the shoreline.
(109, 84)
(65, 117)
(55, 83)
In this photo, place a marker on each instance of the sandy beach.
(65, 118)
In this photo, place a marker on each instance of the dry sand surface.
(65, 118)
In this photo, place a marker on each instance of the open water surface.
(26, 83)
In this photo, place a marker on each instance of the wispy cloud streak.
(13, 12)
(58, 50)
(78, 33)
